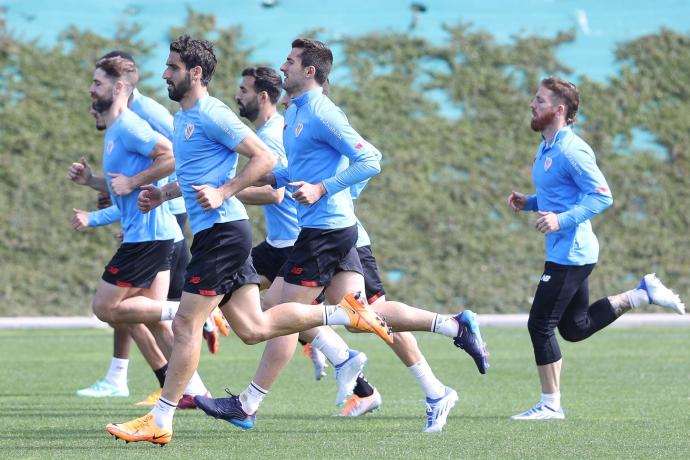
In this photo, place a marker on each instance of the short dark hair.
(567, 93)
(317, 54)
(266, 79)
(119, 68)
(194, 53)
(119, 53)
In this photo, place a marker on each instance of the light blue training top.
(356, 190)
(321, 146)
(281, 219)
(128, 144)
(204, 141)
(568, 182)
(156, 115)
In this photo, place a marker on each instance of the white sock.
(169, 309)
(335, 315)
(432, 387)
(331, 347)
(195, 386)
(117, 373)
(163, 413)
(251, 398)
(637, 297)
(445, 325)
(551, 400)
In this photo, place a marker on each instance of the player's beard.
(178, 90)
(250, 111)
(100, 124)
(540, 123)
(101, 105)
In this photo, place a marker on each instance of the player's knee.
(570, 334)
(103, 311)
(251, 336)
(538, 326)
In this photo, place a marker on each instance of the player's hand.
(80, 219)
(121, 184)
(517, 201)
(119, 236)
(149, 198)
(308, 193)
(208, 197)
(547, 223)
(103, 200)
(80, 172)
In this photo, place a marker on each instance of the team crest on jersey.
(547, 163)
(298, 129)
(188, 131)
(109, 147)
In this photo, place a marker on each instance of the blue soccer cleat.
(228, 409)
(470, 339)
(437, 410)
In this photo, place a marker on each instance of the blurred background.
(442, 88)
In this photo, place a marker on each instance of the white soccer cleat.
(104, 389)
(660, 294)
(540, 412)
(437, 410)
(346, 374)
(357, 406)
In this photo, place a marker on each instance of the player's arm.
(364, 158)
(265, 194)
(261, 161)
(80, 172)
(151, 196)
(162, 166)
(590, 180)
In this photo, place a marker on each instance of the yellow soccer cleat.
(140, 429)
(221, 322)
(151, 399)
(363, 318)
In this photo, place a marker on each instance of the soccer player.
(135, 281)
(257, 98)
(115, 381)
(207, 140)
(326, 157)
(570, 190)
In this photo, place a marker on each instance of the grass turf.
(625, 393)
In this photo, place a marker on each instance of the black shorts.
(319, 254)
(218, 253)
(137, 264)
(372, 280)
(178, 265)
(245, 275)
(268, 259)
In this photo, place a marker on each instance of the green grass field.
(625, 393)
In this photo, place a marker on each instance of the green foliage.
(452, 121)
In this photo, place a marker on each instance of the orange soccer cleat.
(363, 318)
(151, 399)
(140, 429)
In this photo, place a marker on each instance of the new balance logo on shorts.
(545, 278)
